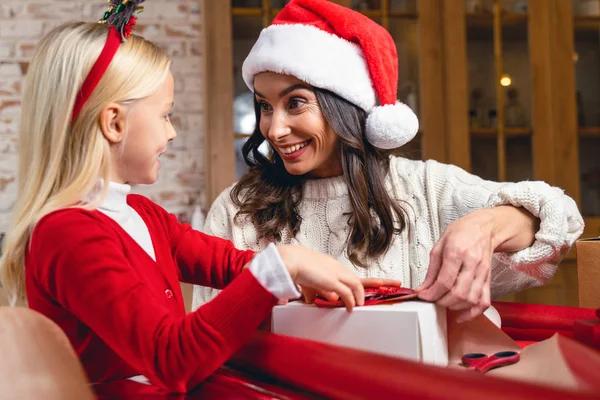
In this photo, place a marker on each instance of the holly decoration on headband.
(120, 15)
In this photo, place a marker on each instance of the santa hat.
(332, 47)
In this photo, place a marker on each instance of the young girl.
(106, 265)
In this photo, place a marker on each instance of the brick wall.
(174, 25)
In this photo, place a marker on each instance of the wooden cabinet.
(506, 89)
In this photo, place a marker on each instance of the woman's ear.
(113, 120)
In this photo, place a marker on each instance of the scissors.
(483, 363)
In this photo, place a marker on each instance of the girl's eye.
(168, 116)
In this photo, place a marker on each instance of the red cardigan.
(124, 313)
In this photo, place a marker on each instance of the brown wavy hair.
(269, 196)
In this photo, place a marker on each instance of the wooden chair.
(37, 360)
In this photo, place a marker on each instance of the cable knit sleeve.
(219, 219)
(218, 223)
(455, 193)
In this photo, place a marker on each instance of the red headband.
(121, 20)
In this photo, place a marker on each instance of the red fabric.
(588, 332)
(225, 383)
(536, 316)
(377, 44)
(344, 373)
(113, 41)
(535, 335)
(89, 276)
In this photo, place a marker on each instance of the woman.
(318, 74)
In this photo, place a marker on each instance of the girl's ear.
(113, 121)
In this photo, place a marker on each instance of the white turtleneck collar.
(115, 206)
(116, 197)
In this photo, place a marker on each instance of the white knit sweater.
(434, 195)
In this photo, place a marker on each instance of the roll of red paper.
(588, 332)
(533, 335)
(536, 316)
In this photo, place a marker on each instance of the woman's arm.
(494, 237)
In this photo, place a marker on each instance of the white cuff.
(560, 225)
(268, 268)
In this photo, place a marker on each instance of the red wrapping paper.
(341, 373)
(588, 332)
(534, 335)
(536, 316)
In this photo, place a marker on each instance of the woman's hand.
(460, 263)
(323, 275)
(459, 267)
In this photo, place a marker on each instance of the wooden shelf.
(583, 19)
(480, 26)
(391, 14)
(589, 131)
(247, 12)
(592, 227)
(586, 27)
(512, 132)
(487, 19)
(403, 15)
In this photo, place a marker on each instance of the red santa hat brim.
(314, 56)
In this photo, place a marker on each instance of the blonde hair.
(61, 161)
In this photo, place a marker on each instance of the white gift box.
(411, 330)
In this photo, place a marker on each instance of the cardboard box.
(411, 330)
(588, 272)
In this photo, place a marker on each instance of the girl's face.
(292, 122)
(149, 129)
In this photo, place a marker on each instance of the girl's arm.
(83, 268)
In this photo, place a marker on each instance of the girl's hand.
(309, 295)
(321, 274)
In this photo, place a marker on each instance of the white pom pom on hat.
(391, 126)
(332, 47)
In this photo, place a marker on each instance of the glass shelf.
(498, 60)
(587, 73)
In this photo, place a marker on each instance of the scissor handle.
(499, 359)
(472, 360)
(506, 354)
(482, 363)
(474, 356)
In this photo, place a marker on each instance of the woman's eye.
(264, 106)
(295, 103)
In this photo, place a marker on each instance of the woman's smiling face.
(291, 120)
